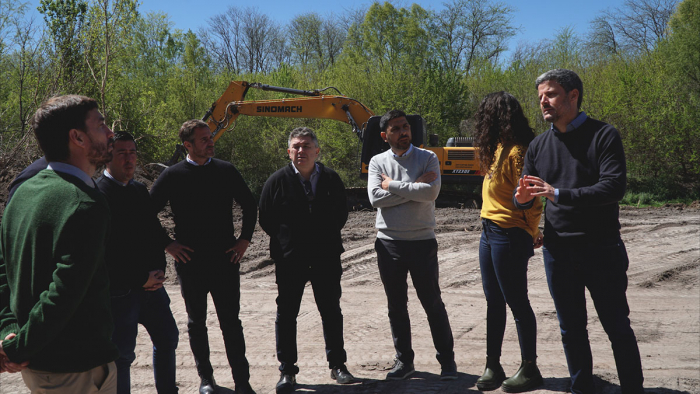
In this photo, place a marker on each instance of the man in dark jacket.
(579, 166)
(136, 266)
(303, 208)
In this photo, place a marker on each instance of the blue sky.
(536, 20)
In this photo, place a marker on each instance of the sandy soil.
(664, 249)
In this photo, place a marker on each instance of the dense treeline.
(640, 67)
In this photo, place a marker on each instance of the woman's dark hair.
(499, 119)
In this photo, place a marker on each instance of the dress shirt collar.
(575, 124)
(71, 170)
(408, 151)
(194, 163)
(108, 175)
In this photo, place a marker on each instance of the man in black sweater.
(579, 166)
(303, 208)
(201, 191)
(136, 266)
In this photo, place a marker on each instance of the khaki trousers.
(102, 380)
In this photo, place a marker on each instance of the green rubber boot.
(527, 378)
(493, 375)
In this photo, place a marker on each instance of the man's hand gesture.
(530, 186)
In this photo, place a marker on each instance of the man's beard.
(100, 153)
(403, 144)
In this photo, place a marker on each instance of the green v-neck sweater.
(54, 286)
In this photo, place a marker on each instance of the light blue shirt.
(108, 175)
(577, 122)
(194, 163)
(408, 151)
(71, 170)
(313, 179)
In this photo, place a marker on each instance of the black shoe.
(527, 378)
(286, 383)
(341, 375)
(493, 375)
(400, 371)
(244, 389)
(449, 372)
(207, 386)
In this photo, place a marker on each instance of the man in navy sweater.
(136, 266)
(201, 191)
(579, 166)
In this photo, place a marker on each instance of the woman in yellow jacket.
(508, 239)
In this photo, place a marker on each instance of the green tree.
(109, 28)
(469, 29)
(64, 20)
(683, 45)
(681, 54)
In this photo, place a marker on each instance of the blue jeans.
(503, 257)
(572, 267)
(152, 310)
(396, 259)
(291, 278)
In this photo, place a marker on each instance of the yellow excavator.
(458, 161)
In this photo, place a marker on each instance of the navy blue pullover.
(588, 167)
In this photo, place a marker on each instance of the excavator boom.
(231, 104)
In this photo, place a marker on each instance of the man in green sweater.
(54, 288)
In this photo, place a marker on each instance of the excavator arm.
(231, 104)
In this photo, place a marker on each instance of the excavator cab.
(372, 142)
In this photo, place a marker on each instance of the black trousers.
(396, 259)
(291, 277)
(216, 275)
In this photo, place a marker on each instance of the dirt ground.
(664, 249)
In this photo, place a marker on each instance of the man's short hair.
(55, 118)
(125, 136)
(568, 80)
(188, 128)
(302, 132)
(391, 115)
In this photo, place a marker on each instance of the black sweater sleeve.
(612, 174)
(244, 198)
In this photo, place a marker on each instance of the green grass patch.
(644, 192)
